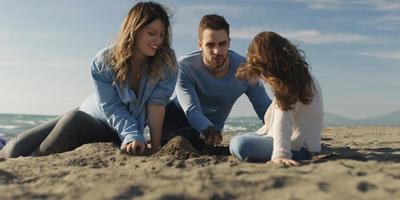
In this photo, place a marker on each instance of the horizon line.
(56, 115)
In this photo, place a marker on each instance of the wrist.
(155, 144)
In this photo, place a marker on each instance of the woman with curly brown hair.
(293, 122)
(133, 80)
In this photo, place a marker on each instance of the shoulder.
(101, 60)
(236, 59)
(316, 88)
(189, 59)
(102, 55)
(190, 62)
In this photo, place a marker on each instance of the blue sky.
(353, 47)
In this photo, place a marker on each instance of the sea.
(13, 124)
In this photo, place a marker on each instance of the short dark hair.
(214, 22)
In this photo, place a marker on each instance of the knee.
(75, 116)
(13, 150)
(8, 152)
(70, 122)
(238, 146)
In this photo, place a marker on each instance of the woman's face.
(148, 39)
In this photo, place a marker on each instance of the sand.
(356, 163)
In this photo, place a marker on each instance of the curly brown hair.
(142, 14)
(280, 63)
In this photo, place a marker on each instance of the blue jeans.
(252, 147)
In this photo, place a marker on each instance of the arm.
(258, 98)
(156, 121)
(190, 104)
(283, 123)
(156, 108)
(116, 113)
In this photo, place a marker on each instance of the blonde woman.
(293, 122)
(133, 80)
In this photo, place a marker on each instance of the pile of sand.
(178, 147)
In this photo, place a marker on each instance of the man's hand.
(284, 161)
(211, 136)
(135, 147)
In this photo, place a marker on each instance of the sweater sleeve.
(189, 102)
(283, 123)
(163, 89)
(116, 113)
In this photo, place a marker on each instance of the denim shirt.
(119, 107)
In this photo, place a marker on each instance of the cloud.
(245, 33)
(317, 37)
(224, 9)
(305, 36)
(385, 5)
(327, 4)
(382, 5)
(388, 8)
(390, 18)
(188, 16)
(389, 21)
(393, 55)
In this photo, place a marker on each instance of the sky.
(353, 47)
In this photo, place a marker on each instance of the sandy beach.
(356, 163)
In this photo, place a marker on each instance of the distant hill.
(391, 119)
(337, 120)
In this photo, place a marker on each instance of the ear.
(229, 42)
(199, 44)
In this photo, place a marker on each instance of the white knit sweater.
(295, 128)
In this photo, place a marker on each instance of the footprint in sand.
(276, 182)
(364, 186)
(361, 173)
(323, 186)
(5, 177)
(279, 182)
(225, 195)
(130, 193)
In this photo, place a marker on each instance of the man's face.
(215, 45)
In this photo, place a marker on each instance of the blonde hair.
(282, 65)
(142, 14)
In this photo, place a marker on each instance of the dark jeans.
(176, 123)
(65, 133)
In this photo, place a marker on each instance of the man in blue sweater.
(207, 88)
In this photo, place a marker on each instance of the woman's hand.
(284, 161)
(135, 147)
